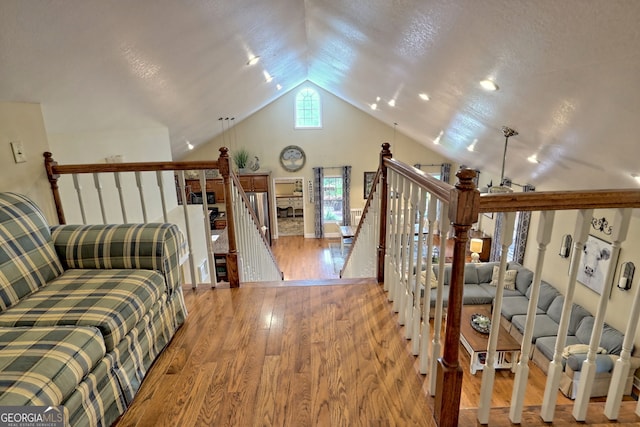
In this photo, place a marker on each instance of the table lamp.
(475, 247)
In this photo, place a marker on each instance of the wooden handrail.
(223, 164)
(440, 189)
(559, 200)
(132, 167)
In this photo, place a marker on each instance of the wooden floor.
(328, 355)
(304, 259)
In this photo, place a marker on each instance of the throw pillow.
(434, 279)
(509, 278)
(580, 349)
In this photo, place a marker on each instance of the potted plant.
(241, 159)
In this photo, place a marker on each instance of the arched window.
(308, 109)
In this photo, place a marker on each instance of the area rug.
(290, 226)
(336, 256)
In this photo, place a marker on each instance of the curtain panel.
(346, 195)
(318, 177)
(522, 230)
(445, 172)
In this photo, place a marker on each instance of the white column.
(545, 227)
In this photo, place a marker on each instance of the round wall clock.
(292, 158)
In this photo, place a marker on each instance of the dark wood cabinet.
(250, 183)
(254, 182)
(213, 185)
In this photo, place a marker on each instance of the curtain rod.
(330, 167)
(430, 164)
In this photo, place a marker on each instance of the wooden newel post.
(382, 243)
(463, 212)
(224, 165)
(49, 164)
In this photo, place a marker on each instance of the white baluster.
(436, 343)
(583, 222)
(425, 335)
(78, 187)
(390, 249)
(213, 279)
(98, 184)
(489, 370)
(404, 236)
(418, 325)
(412, 272)
(397, 248)
(545, 227)
(623, 365)
(123, 209)
(143, 205)
(163, 199)
(187, 224)
(588, 371)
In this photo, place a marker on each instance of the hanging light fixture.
(507, 132)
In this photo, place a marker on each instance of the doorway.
(289, 203)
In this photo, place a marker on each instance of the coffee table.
(476, 343)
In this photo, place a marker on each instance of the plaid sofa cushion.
(43, 366)
(147, 246)
(114, 301)
(27, 257)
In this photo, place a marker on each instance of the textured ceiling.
(568, 71)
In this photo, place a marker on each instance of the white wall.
(138, 145)
(348, 137)
(23, 122)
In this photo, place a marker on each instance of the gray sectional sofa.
(478, 290)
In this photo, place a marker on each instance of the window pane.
(308, 109)
(332, 199)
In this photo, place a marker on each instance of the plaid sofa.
(84, 310)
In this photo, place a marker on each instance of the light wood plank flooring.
(304, 259)
(333, 355)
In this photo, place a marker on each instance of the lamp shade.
(476, 245)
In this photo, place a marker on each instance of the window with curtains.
(308, 111)
(332, 199)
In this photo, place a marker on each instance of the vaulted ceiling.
(568, 72)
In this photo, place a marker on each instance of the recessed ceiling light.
(533, 159)
(489, 85)
(424, 96)
(253, 60)
(392, 103)
(377, 99)
(189, 145)
(267, 76)
(374, 106)
(636, 176)
(278, 86)
(472, 146)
